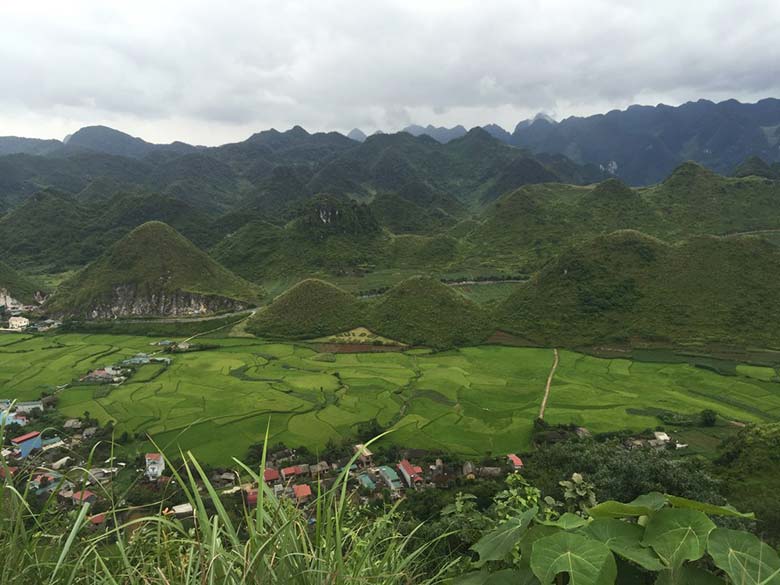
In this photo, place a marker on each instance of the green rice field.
(472, 400)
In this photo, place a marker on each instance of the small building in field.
(72, 424)
(659, 436)
(18, 323)
(302, 493)
(155, 465)
(412, 474)
(469, 471)
(29, 407)
(514, 461)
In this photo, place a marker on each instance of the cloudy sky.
(211, 72)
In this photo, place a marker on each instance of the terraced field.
(471, 400)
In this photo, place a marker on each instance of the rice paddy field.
(471, 401)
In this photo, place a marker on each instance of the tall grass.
(327, 542)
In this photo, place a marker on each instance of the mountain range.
(640, 145)
(135, 229)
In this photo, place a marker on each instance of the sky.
(209, 72)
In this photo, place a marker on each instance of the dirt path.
(549, 383)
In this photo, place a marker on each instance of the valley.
(470, 401)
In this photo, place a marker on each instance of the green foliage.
(708, 417)
(620, 474)
(744, 558)
(585, 561)
(665, 541)
(749, 465)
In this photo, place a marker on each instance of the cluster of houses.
(19, 323)
(294, 481)
(660, 440)
(118, 373)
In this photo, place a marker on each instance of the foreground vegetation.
(521, 535)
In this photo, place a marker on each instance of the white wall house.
(18, 323)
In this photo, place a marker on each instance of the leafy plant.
(656, 538)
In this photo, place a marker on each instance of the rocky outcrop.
(7, 300)
(126, 301)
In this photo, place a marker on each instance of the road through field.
(549, 383)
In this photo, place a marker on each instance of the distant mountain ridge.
(641, 144)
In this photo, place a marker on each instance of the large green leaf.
(653, 500)
(678, 535)
(745, 559)
(686, 575)
(499, 542)
(503, 577)
(709, 509)
(568, 521)
(586, 561)
(642, 506)
(625, 540)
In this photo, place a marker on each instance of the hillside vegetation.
(628, 285)
(426, 312)
(17, 285)
(311, 308)
(147, 269)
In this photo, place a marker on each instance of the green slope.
(151, 262)
(16, 285)
(311, 308)
(424, 311)
(529, 226)
(628, 286)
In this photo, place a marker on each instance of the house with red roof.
(290, 472)
(515, 461)
(302, 493)
(270, 475)
(98, 519)
(26, 443)
(84, 497)
(251, 498)
(412, 474)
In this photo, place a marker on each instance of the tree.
(708, 417)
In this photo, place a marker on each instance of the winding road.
(549, 383)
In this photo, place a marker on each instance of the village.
(64, 462)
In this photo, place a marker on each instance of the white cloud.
(209, 72)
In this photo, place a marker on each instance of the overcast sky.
(211, 72)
